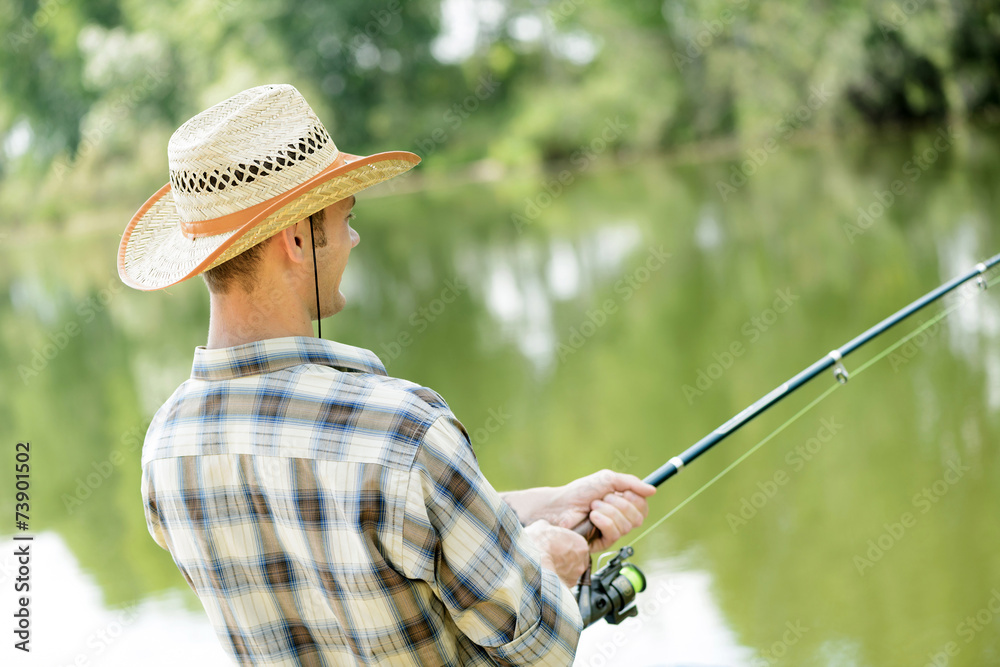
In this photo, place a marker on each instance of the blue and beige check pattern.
(327, 514)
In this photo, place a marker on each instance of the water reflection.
(679, 623)
(74, 626)
(523, 283)
(976, 325)
(451, 296)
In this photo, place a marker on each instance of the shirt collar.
(275, 354)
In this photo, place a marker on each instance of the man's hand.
(563, 551)
(614, 502)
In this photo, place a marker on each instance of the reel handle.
(588, 530)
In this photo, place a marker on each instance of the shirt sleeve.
(150, 509)
(469, 546)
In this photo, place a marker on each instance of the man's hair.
(242, 269)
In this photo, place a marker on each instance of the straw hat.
(240, 172)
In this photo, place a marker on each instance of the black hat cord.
(319, 315)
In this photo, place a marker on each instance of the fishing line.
(860, 369)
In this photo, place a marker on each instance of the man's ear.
(292, 241)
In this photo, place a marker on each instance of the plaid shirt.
(327, 514)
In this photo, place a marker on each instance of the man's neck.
(238, 318)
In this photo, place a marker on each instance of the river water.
(600, 316)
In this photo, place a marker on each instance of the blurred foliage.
(520, 82)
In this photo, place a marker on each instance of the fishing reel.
(610, 592)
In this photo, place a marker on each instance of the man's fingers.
(639, 503)
(573, 557)
(617, 514)
(610, 530)
(565, 552)
(637, 486)
(612, 481)
(633, 508)
(574, 541)
(622, 514)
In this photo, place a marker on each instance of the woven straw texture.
(244, 152)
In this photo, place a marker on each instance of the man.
(325, 513)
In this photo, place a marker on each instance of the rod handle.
(588, 530)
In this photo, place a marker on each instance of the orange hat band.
(236, 220)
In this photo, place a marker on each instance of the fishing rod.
(610, 592)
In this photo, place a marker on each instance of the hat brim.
(156, 253)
